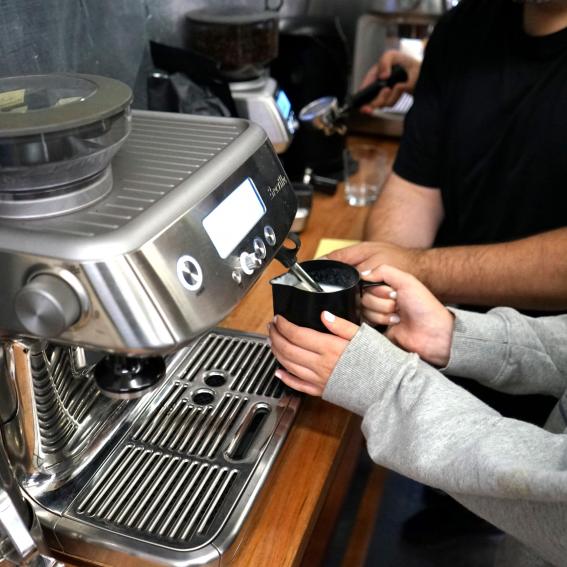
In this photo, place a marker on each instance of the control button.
(270, 235)
(259, 248)
(47, 305)
(189, 273)
(249, 262)
(237, 276)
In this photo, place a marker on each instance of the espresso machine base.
(175, 489)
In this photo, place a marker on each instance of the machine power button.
(237, 277)
(47, 306)
(270, 235)
(259, 248)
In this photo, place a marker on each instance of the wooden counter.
(292, 520)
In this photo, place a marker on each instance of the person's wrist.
(418, 264)
(439, 345)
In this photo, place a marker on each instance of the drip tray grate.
(158, 494)
(197, 455)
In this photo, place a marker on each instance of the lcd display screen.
(283, 104)
(234, 218)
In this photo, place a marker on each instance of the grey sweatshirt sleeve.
(510, 352)
(422, 425)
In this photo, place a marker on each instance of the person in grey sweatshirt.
(422, 425)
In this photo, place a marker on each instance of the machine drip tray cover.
(187, 472)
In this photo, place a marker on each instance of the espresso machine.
(138, 433)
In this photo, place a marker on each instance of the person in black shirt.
(476, 205)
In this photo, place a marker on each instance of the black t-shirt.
(489, 125)
(489, 129)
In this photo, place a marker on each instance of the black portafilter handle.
(358, 99)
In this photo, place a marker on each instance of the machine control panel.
(230, 225)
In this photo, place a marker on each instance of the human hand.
(309, 356)
(378, 305)
(369, 255)
(418, 321)
(382, 70)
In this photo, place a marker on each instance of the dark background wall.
(109, 37)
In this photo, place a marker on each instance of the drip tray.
(186, 474)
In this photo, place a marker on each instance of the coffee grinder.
(243, 42)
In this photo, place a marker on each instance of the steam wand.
(288, 257)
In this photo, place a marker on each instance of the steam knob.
(47, 305)
(249, 262)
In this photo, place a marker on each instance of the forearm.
(510, 352)
(405, 214)
(530, 273)
(542, 526)
(419, 423)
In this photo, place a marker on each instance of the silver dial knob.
(259, 248)
(47, 305)
(249, 262)
(270, 235)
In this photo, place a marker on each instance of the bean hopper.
(243, 42)
(139, 433)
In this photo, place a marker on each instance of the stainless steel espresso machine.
(139, 434)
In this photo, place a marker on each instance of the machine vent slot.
(185, 428)
(159, 494)
(247, 432)
(62, 402)
(249, 364)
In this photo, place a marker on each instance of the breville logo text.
(273, 191)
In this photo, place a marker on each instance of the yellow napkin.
(328, 245)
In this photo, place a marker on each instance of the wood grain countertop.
(288, 525)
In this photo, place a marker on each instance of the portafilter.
(325, 113)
